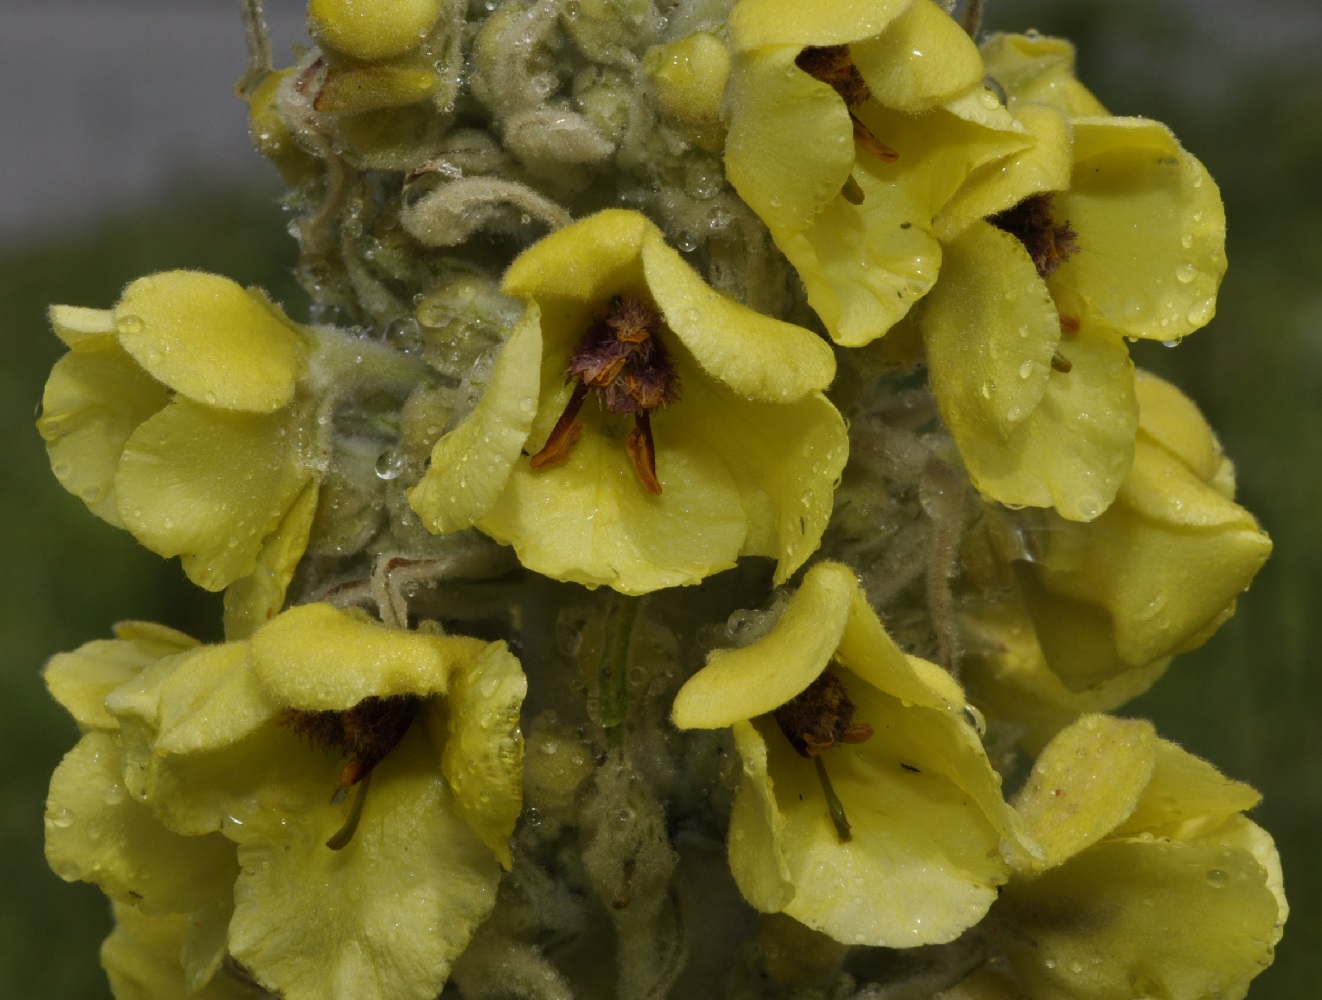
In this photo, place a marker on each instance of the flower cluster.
(758, 373)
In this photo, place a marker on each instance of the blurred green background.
(1240, 91)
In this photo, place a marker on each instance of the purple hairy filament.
(622, 362)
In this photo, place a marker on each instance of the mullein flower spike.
(671, 353)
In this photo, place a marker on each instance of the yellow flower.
(1123, 237)
(185, 415)
(96, 831)
(710, 438)
(850, 127)
(1099, 608)
(1152, 882)
(867, 808)
(242, 744)
(145, 958)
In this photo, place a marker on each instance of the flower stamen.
(815, 720)
(621, 362)
(1033, 223)
(368, 732)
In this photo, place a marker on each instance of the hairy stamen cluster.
(366, 734)
(620, 361)
(1033, 223)
(815, 720)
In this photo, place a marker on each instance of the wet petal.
(210, 485)
(211, 340)
(97, 832)
(1151, 231)
(310, 922)
(922, 58)
(1035, 68)
(471, 464)
(145, 959)
(93, 402)
(1085, 783)
(1072, 448)
(253, 600)
(315, 657)
(757, 23)
(1146, 917)
(744, 683)
(483, 755)
(81, 680)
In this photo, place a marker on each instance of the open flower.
(185, 415)
(669, 430)
(370, 894)
(867, 808)
(1092, 616)
(1151, 883)
(160, 882)
(850, 127)
(1025, 333)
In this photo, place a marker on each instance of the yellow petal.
(757, 23)
(382, 919)
(1171, 419)
(589, 521)
(755, 355)
(81, 680)
(1073, 448)
(97, 832)
(209, 700)
(471, 464)
(1184, 796)
(315, 657)
(790, 146)
(915, 834)
(1044, 166)
(145, 958)
(253, 600)
(757, 829)
(1151, 231)
(211, 340)
(82, 328)
(1142, 918)
(744, 683)
(483, 756)
(1085, 783)
(580, 267)
(1164, 564)
(210, 485)
(1035, 68)
(921, 58)
(93, 402)
(1010, 677)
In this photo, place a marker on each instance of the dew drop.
(1185, 273)
(128, 324)
(62, 820)
(1026, 369)
(1186, 241)
(1218, 878)
(1200, 312)
(389, 464)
